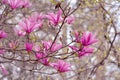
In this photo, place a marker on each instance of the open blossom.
(42, 57)
(48, 44)
(36, 17)
(83, 51)
(87, 39)
(55, 19)
(61, 66)
(28, 26)
(19, 31)
(14, 4)
(3, 34)
(28, 46)
(70, 19)
(13, 44)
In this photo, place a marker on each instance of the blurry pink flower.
(31, 23)
(19, 31)
(83, 51)
(56, 47)
(2, 51)
(61, 66)
(26, 3)
(29, 26)
(42, 57)
(48, 44)
(77, 36)
(70, 19)
(36, 17)
(13, 44)
(3, 34)
(14, 4)
(28, 46)
(36, 48)
(5, 72)
(54, 19)
(87, 39)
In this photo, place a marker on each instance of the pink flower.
(42, 57)
(87, 39)
(5, 72)
(83, 51)
(3, 34)
(54, 19)
(14, 4)
(2, 51)
(70, 19)
(36, 17)
(28, 26)
(19, 31)
(77, 36)
(36, 48)
(13, 44)
(61, 66)
(26, 3)
(48, 44)
(28, 46)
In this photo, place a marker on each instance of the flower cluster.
(43, 56)
(43, 52)
(84, 42)
(47, 49)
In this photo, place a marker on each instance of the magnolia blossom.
(13, 44)
(70, 19)
(36, 48)
(5, 72)
(77, 36)
(82, 51)
(2, 51)
(28, 46)
(26, 3)
(42, 57)
(30, 24)
(53, 47)
(3, 34)
(14, 4)
(88, 38)
(61, 66)
(36, 17)
(54, 19)
(19, 31)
